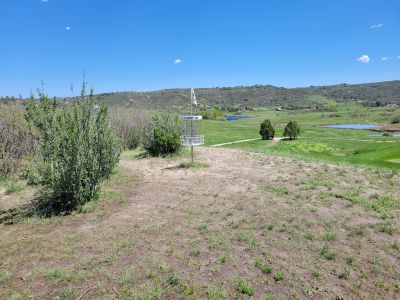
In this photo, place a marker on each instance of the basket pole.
(191, 135)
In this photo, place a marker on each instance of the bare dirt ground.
(246, 225)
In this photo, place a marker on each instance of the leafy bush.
(78, 151)
(395, 119)
(161, 134)
(214, 114)
(292, 130)
(17, 140)
(267, 131)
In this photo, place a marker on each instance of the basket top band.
(191, 118)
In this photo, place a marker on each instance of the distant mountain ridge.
(374, 94)
(259, 95)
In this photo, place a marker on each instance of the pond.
(234, 118)
(352, 126)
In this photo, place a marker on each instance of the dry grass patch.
(245, 225)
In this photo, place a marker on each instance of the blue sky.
(149, 45)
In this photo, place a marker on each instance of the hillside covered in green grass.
(373, 94)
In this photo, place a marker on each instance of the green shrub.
(214, 114)
(267, 131)
(395, 119)
(31, 173)
(161, 134)
(292, 130)
(78, 151)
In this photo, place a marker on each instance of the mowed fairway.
(316, 141)
(246, 225)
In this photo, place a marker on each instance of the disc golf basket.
(191, 130)
(191, 136)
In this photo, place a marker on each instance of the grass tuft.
(279, 276)
(265, 268)
(173, 279)
(245, 287)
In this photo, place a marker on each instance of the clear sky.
(147, 45)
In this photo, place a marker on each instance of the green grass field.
(315, 142)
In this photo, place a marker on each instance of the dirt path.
(275, 140)
(243, 141)
(257, 190)
(289, 228)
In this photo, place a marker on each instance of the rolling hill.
(374, 94)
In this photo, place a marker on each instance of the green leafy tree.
(267, 131)
(292, 130)
(161, 134)
(78, 151)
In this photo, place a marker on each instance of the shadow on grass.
(142, 154)
(41, 206)
(15, 214)
(188, 165)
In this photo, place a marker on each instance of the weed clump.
(173, 279)
(245, 287)
(266, 269)
(279, 276)
(385, 227)
(328, 253)
(216, 293)
(329, 236)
